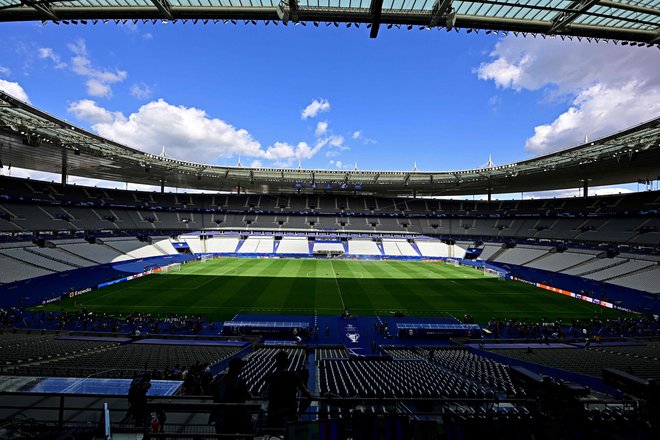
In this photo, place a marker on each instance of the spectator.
(137, 399)
(231, 388)
(282, 388)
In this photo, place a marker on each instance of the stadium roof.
(621, 20)
(33, 139)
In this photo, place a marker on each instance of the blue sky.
(442, 100)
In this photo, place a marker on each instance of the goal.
(494, 273)
(453, 261)
(205, 258)
(172, 267)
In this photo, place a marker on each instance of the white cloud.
(47, 53)
(141, 91)
(314, 108)
(337, 141)
(99, 80)
(596, 111)
(280, 152)
(98, 88)
(187, 133)
(256, 164)
(87, 110)
(190, 134)
(5, 71)
(359, 136)
(321, 128)
(14, 89)
(285, 155)
(609, 87)
(305, 151)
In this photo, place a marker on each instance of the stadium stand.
(257, 245)
(592, 361)
(293, 245)
(98, 253)
(261, 363)
(520, 255)
(15, 270)
(398, 248)
(222, 245)
(645, 280)
(363, 247)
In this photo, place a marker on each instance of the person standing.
(282, 390)
(231, 388)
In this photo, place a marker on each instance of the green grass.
(221, 288)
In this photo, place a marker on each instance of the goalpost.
(172, 267)
(494, 273)
(206, 257)
(453, 261)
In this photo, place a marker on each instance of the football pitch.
(221, 288)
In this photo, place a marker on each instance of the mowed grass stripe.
(220, 288)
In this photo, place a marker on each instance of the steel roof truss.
(577, 8)
(164, 7)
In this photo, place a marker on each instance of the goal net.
(453, 262)
(205, 258)
(172, 267)
(494, 273)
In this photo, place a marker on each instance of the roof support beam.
(288, 10)
(164, 7)
(44, 7)
(656, 39)
(375, 10)
(569, 16)
(440, 7)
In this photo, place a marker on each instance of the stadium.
(400, 304)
